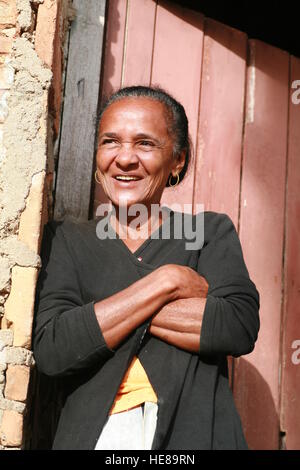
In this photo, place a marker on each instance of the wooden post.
(77, 145)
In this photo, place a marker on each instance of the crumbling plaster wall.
(32, 33)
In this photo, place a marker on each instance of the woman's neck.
(138, 226)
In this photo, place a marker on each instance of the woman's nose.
(126, 155)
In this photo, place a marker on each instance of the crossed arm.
(173, 295)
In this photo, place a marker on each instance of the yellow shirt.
(134, 390)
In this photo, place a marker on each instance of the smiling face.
(135, 152)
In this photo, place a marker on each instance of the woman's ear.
(180, 161)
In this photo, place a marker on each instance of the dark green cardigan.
(196, 406)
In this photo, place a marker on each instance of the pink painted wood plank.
(290, 403)
(256, 381)
(177, 60)
(219, 146)
(139, 42)
(112, 66)
(114, 46)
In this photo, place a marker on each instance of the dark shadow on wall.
(255, 404)
(45, 406)
(266, 21)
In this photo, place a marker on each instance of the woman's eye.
(146, 143)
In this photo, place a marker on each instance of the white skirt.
(129, 430)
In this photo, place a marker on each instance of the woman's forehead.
(135, 108)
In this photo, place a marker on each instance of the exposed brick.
(11, 430)
(12, 405)
(8, 12)
(9, 32)
(30, 222)
(17, 379)
(19, 306)
(48, 47)
(45, 31)
(17, 356)
(5, 44)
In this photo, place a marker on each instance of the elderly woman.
(137, 326)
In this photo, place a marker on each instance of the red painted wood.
(217, 173)
(290, 402)
(256, 382)
(139, 42)
(177, 60)
(114, 46)
(220, 129)
(163, 45)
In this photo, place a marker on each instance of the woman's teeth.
(127, 178)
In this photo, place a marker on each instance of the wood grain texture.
(114, 46)
(177, 61)
(75, 167)
(256, 382)
(290, 400)
(138, 46)
(219, 145)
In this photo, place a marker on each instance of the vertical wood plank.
(177, 61)
(290, 402)
(219, 147)
(114, 46)
(139, 42)
(76, 154)
(219, 144)
(256, 382)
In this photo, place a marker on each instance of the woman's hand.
(179, 322)
(185, 282)
(121, 313)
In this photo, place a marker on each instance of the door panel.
(236, 93)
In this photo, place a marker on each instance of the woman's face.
(134, 144)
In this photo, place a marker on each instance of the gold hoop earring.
(99, 182)
(170, 178)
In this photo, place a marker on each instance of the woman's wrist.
(166, 282)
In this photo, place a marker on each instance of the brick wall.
(32, 34)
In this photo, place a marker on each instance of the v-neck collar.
(135, 254)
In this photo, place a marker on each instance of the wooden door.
(245, 132)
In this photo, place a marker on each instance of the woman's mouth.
(126, 180)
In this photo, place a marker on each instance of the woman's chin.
(126, 200)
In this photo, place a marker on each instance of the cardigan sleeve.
(66, 335)
(230, 322)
